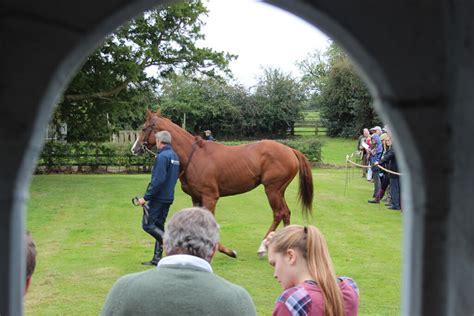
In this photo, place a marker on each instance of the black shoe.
(150, 263)
(373, 201)
(393, 208)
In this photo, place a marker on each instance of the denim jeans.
(395, 192)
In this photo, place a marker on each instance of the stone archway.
(415, 55)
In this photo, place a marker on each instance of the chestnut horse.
(210, 170)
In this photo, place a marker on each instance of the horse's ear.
(148, 113)
(158, 112)
(199, 141)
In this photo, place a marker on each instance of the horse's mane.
(172, 126)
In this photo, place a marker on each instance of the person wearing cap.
(160, 192)
(208, 136)
(375, 156)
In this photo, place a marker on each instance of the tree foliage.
(230, 110)
(340, 94)
(207, 104)
(279, 99)
(119, 80)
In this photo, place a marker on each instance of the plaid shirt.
(297, 301)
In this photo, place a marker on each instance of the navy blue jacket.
(390, 162)
(163, 176)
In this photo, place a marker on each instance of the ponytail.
(321, 269)
(312, 245)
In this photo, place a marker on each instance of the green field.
(334, 150)
(311, 115)
(88, 234)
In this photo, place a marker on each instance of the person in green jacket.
(183, 282)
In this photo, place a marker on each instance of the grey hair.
(164, 137)
(192, 231)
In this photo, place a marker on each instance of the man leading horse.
(160, 192)
(211, 170)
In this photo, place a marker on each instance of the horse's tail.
(305, 193)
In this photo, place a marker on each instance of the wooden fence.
(125, 137)
(305, 127)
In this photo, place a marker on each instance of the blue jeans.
(395, 192)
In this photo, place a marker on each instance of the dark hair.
(30, 255)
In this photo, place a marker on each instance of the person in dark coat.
(160, 193)
(390, 161)
(208, 136)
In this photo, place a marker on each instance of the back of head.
(164, 137)
(310, 242)
(30, 255)
(30, 258)
(192, 231)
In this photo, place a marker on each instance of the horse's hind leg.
(210, 204)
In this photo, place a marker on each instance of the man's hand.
(376, 163)
(141, 201)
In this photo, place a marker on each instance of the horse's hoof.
(261, 254)
(233, 254)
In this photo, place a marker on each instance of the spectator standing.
(390, 161)
(375, 156)
(362, 147)
(183, 283)
(160, 192)
(384, 178)
(304, 269)
(369, 154)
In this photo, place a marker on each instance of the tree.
(341, 95)
(230, 110)
(119, 80)
(207, 104)
(314, 69)
(277, 104)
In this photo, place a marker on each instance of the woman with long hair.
(304, 269)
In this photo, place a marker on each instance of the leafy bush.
(310, 148)
(86, 156)
(56, 155)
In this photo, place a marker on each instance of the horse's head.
(146, 138)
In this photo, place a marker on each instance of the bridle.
(148, 131)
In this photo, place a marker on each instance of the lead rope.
(148, 150)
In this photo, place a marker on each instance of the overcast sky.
(261, 34)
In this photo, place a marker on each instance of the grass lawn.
(335, 149)
(88, 234)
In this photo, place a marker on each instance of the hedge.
(91, 157)
(96, 157)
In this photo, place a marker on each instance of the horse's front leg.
(196, 201)
(281, 212)
(210, 203)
